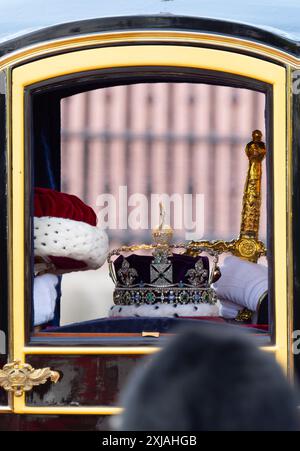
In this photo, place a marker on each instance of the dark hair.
(209, 379)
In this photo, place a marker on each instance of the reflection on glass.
(126, 148)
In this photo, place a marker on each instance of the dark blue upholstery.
(46, 158)
(133, 325)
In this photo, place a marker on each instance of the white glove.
(44, 298)
(241, 285)
(229, 310)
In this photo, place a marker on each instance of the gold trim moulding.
(290, 280)
(82, 410)
(147, 37)
(134, 350)
(142, 350)
(5, 409)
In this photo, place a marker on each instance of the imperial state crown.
(165, 280)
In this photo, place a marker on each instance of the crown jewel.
(169, 275)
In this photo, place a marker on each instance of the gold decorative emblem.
(17, 377)
(247, 248)
(247, 245)
(243, 316)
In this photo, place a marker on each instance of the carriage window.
(134, 219)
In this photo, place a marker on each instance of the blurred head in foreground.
(209, 379)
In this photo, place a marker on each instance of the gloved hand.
(240, 286)
(44, 298)
(229, 310)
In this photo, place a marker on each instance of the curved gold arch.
(74, 43)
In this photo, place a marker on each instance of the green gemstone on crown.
(150, 297)
(206, 296)
(184, 297)
(127, 297)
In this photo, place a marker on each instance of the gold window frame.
(126, 56)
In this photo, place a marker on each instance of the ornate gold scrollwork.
(17, 377)
(243, 247)
(247, 245)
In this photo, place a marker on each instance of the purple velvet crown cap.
(142, 264)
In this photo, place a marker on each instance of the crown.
(165, 277)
